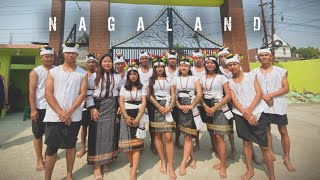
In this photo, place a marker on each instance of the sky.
(297, 22)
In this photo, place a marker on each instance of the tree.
(309, 52)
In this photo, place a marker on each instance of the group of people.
(116, 103)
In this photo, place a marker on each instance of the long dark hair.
(128, 86)
(216, 70)
(154, 77)
(100, 70)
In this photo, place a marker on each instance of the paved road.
(17, 157)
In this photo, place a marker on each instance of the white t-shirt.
(132, 95)
(198, 74)
(95, 90)
(245, 94)
(185, 84)
(42, 73)
(213, 87)
(172, 75)
(162, 87)
(144, 77)
(271, 82)
(228, 74)
(67, 86)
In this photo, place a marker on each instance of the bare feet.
(172, 173)
(40, 166)
(163, 168)
(105, 169)
(133, 174)
(192, 165)
(223, 172)
(196, 148)
(182, 171)
(97, 173)
(81, 153)
(289, 166)
(216, 167)
(273, 157)
(248, 175)
(69, 178)
(257, 161)
(178, 145)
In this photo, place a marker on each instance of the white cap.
(46, 50)
(264, 50)
(91, 57)
(194, 54)
(235, 58)
(144, 53)
(74, 49)
(223, 51)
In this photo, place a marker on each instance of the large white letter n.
(227, 23)
(53, 23)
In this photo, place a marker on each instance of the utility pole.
(273, 31)
(264, 25)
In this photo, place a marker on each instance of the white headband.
(46, 51)
(158, 64)
(224, 51)
(145, 53)
(211, 58)
(171, 56)
(132, 68)
(266, 50)
(185, 62)
(235, 58)
(74, 49)
(194, 54)
(88, 58)
(118, 60)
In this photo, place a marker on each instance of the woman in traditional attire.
(189, 93)
(162, 97)
(132, 124)
(102, 102)
(214, 111)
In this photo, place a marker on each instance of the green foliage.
(308, 53)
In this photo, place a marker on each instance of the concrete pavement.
(17, 156)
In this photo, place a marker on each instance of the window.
(30, 60)
(284, 51)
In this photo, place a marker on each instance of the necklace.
(164, 84)
(205, 84)
(134, 99)
(186, 83)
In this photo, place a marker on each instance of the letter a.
(82, 24)
(53, 23)
(140, 24)
(198, 24)
(256, 27)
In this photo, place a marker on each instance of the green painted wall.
(303, 75)
(17, 72)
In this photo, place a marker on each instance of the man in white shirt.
(91, 62)
(248, 109)
(38, 103)
(65, 90)
(275, 86)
